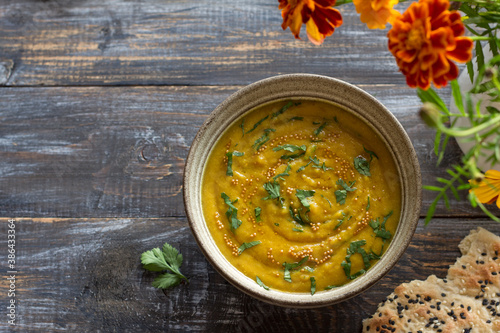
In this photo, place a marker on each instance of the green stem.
(494, 121)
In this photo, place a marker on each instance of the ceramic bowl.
(351, 99)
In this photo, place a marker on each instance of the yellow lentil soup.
(301, 196)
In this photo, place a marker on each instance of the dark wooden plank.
(85, 275)
(207, 42)
(120, 151)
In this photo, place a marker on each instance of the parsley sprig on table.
(167, 260)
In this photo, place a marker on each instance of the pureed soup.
(301, 196)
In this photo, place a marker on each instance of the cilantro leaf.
(257, 124)
(319, 129)
(258, 210)
(346, 187)
(248, 245)
(260, 283)
(167, 259)
(370, 153)
(313, 285)
(285, 173)
(230, 155)
(340, 195)
(362, 165)
(232, 212)
(273, 189)
(166, 280)
(302, 195)
(288, 267)
(379, 227)
(283, 109)
(263, 139)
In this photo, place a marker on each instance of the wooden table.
(100, 101)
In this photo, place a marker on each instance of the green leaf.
(297, 230)
(313, 285)
(288, 267)
(167, 280)
(368, 204)
(230, 155)
(283, 109)
(457, 96)
(371, 153)
(260, 283)
(346, 187)
(257, 124)
(291, 148)
(340, 195)
(257, 210)
(273, 189)
(319, 129)
(154, 261)
(248, 245)
(362, 165)
(172, 256)
(263, 139)
(232, 212)
(283, 174)
(303, 196)
(431, 96)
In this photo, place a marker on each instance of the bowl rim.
(274, 88)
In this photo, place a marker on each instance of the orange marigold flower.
(376, 13)
(318, 15)
(488, 189)
(425, 39)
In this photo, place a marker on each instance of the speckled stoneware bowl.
(353, 100)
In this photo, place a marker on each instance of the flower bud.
(430, 114)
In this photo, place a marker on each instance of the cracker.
(467, 300)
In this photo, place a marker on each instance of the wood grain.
(85, 275)
(207, 42)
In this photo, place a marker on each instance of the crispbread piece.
(467, 300)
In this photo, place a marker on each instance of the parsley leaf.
(230, 155)
(167, 259)
(248, 245)
(362, 165)
(340, 195)
(260, 283)
(289, 267)
(273, 189)
(231, 213)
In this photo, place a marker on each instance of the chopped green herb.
(368, 204)
(340, 195)
(260, 283)
(242, 126)
(273, 189)
(331, 287)
(230, 155)
(263, 139)
(288, 267)
(340, 221)
(346, 187)
(257, 124)
(293, 149)
(379, 227)
(335, 119)
(277, 224)
(286, 173)
(370, 153)
(362, 165)
(313, 285)
(297, 230)
(164, 260)
(319, 129)
(257, 210)
(302, 195)
(296, 118)
(232, 212)
(248, 245)
(327, 200)
(322, 167)
(356, 247)
(297, 217)
(283, 109)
